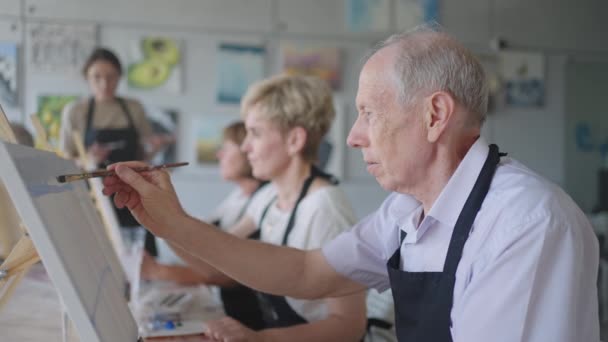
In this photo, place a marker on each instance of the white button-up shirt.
(529, 267)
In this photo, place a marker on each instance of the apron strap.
(244, 208)
(470, 210)
(89, 122)
(314, 172)
(125, 109)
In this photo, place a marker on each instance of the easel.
(23, 255)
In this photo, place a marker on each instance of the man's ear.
(438, 110)
(296, 140)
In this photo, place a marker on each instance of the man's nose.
(357, 136)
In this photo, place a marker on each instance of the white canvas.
(70, 239)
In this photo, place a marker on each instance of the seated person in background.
(286, 118)
(234, 167)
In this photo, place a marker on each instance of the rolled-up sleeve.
(361, 253)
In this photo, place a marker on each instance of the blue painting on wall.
(524, 77)
(239, 66)
(368, 15)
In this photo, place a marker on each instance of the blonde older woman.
(286, 117)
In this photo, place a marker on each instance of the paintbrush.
(105, 173)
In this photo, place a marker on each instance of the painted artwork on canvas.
(523, 74)
(8, 74)
(320, 61)
(50, 108)
(155, 63)
(208, 136)
(239, 66)
(368, 15)
(165, 124)
(58, 47)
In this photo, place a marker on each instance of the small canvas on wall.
(239, 66)
(165, 123)
(208, 136)
(368, 15)
(50, 108)
(60, 47)
(524, 77)
(411, 13)
(320, 61)
(155, 63)
(8, 74)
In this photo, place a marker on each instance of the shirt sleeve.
(326, 218)
(361, 253)
(220, 210)
(530, 289)
(144, 128)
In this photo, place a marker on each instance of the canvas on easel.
(70, 239)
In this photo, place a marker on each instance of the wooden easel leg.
(16, 265)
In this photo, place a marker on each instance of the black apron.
(275, 310)
(240, 302)
(423, 300)
(127, 147)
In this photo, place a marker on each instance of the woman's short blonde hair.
(294, 101)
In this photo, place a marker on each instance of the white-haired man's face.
(391, 136)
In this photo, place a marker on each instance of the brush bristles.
(61, 179)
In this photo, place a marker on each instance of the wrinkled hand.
(149, 196)
(229, 330)
(98, 153)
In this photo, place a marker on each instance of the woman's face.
(233, 162)
(103, 79)
(265, 146)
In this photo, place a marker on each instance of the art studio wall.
(531, 132)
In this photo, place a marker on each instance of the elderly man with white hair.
(475, 246)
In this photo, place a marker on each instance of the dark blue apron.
(276, 312)
(423, 300)
(126, 138)
(129, 148)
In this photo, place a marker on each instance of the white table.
(34, 312)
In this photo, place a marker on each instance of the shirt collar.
(451, 200)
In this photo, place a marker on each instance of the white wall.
(536, 137)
